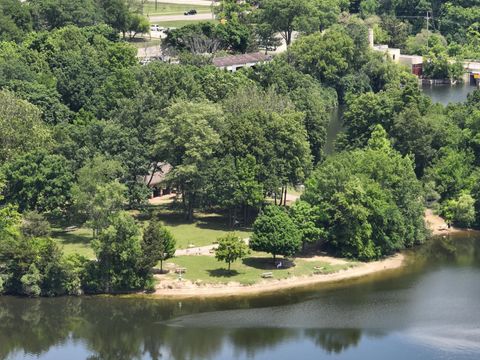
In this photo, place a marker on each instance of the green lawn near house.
(165, 8)
(205, 230)
(248, 271)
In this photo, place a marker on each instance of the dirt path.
(208, 250)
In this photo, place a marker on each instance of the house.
(235, 62)
(156, 180)
(413, 62)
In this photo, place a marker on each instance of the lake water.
(445, 94)
(428, 310)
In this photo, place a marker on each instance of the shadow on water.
(437, 290)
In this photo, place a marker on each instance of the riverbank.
(170, 287)
(438, 225)
(186, 289)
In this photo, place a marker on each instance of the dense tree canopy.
(84, 124)
(371, 198)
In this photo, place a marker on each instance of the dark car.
(190, 12)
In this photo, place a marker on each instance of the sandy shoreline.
(269, 286)
(437, 225)
(188, 289)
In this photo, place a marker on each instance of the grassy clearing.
(165, 8)
(205, 230)
(180, 23)
(249, 270)
(75, 242)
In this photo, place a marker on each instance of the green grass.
(180, 23)
(205, 230)
(165, 8)
(247, 271)
(75, 242)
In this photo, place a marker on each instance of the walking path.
(201, 250)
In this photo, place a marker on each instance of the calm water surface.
(428, 310)
(445, 94)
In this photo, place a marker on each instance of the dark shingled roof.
(240, 59)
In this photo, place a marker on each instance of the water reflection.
(435, 298)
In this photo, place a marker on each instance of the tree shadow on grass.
(263, 263)
(72, 238)
(222, 272)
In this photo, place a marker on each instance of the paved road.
(188, 2)
(157, 18)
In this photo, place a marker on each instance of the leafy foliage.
(275, 232)
(231, 248)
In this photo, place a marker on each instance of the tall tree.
(97, 195)
(275, 232)
(39, 181)
(187, 138)
(118, 251)
(22, 127)
(285, 16)
(371, 198)
(158, 244)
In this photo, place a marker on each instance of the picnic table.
(267, 275)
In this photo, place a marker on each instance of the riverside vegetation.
(82, 121)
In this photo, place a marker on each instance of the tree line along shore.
(86, 127)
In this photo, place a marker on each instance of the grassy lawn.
(180, 23)
(75, 242)
(165, 8)
(247, 271)
(204, 231)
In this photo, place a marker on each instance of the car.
(190, 12)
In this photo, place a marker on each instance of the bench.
(180, 270)
(319, 270)
(266, 275)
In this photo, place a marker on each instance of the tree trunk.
(229, 263)
(285, 197)
(161, 266)
(289, 37)
(274, 258)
